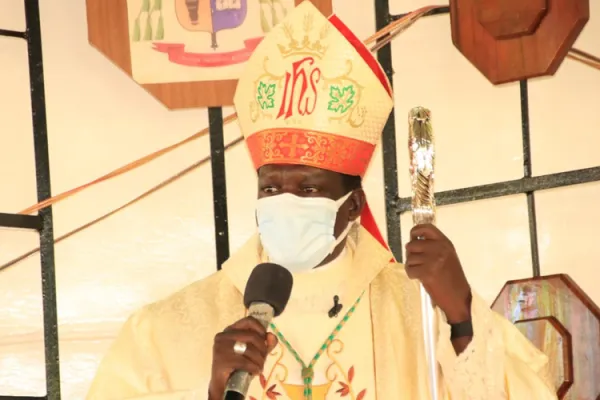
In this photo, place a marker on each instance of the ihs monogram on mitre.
(309, 95)
(291, 87)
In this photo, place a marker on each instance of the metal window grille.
(43, 221)
(395, 205)
(527, 185)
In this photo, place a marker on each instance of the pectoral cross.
(293, 145)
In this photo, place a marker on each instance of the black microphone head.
(271, 284)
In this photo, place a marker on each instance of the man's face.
(305, 181)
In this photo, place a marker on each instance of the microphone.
(337, 307)
(267, 293)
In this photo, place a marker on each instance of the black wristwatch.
(461, 329)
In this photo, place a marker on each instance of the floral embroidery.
(265, 93)
(345, 97)
(278, 372)
(341, 98)
(269, 392)
(335, 372)
(346, 388)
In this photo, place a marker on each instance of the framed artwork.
(186, 53)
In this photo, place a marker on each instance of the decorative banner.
(563, 322)
(186, 53)
(510, 40)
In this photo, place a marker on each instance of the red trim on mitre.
(365, 53)
(313, 148)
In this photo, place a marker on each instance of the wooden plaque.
(510, 40)
(563, 322)
(186, 53)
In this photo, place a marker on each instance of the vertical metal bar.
(217, 152)
(42, 164)
(388, 143)
(527, 170)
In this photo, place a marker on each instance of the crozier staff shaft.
(422, 161)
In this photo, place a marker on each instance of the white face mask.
(298, 232)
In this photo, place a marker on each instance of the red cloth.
(367, 220)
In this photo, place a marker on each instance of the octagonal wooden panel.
(549, 335)
(549, 309)
(510, 40)
(185, 53)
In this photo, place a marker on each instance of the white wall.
(99, 119)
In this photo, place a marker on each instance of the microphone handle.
(239, 382)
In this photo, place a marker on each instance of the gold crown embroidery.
(307, 45)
